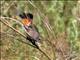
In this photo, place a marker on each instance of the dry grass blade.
(7, 24)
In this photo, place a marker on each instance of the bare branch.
(7, 24)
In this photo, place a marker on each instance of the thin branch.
(47, 25)
(17, 39)
(7, 24)
(45, 18)
(15, 21)
(11, 19)
(44, 53)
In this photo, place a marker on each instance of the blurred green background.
(57, 22)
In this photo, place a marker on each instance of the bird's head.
(26, 18)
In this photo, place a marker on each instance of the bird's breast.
(26, 22)
(34, 34)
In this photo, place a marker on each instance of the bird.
(33, 33)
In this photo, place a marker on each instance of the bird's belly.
(34, 34)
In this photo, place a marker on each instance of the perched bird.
(32, 31)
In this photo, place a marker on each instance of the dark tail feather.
(33, 42)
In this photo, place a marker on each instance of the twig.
(11, 19)
(48, 26)
(44, 53)
(17, 39)
(7, 24)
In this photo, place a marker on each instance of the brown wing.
(33, 33)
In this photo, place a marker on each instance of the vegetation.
(58, 23)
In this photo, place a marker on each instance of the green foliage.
(61, 19)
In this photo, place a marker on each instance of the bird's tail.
(33, 41)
